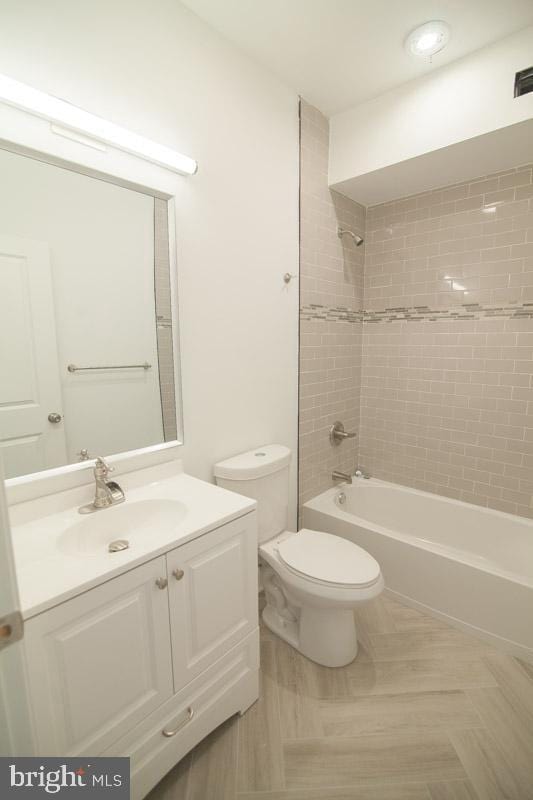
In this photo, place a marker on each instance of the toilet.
(313, 580)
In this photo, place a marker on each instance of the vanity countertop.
(60, 553)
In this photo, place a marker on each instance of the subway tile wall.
(163, 310)
(447, 365)
(331, 295)
(422, 339)
(470, 243)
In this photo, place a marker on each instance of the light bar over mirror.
(58, 111)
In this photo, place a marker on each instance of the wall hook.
(289, 276)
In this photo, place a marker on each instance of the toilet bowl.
(313, 580)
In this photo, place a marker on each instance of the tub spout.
(341, 476)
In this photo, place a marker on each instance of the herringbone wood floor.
(425, 712)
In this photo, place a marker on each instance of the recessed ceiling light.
(428, 39)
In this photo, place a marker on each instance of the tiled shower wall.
(447, 373)
(436, 373)
(331, 294)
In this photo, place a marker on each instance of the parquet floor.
(425, 712)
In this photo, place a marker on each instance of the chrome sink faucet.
(106, 493)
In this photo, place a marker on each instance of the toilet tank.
(262, 474)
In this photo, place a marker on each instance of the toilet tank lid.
(254, 464)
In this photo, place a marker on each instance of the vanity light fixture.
(428, 39)
(58, 111)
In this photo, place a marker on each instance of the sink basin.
(135, 521)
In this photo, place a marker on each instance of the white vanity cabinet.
(147, 663)
(213, 598)
(99, 663)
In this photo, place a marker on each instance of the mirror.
(86, 339)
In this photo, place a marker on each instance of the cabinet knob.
(161, 583)
(178, 574)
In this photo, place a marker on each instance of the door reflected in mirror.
(86, 337)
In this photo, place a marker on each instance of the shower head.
(358, 240)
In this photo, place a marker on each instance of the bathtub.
(470, 566)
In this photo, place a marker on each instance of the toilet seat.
(328, 559)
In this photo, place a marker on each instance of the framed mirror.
(88, 356)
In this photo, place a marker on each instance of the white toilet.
(313, 580)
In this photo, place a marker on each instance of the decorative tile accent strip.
(330, 313)
(417, 313)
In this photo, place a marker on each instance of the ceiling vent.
(523, 82)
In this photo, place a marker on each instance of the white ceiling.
(337, 53)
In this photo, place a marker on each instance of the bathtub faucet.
(341, 476)
(360, 474)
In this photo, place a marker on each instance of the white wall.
(156, 68)
(471, 97)
(101, 246)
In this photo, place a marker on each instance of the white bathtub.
(468, 565)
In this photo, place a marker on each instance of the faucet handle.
(102, 467)
(337, 434)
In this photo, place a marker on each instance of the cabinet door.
(213, 595)
(99, 663)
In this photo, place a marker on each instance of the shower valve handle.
(337, 434)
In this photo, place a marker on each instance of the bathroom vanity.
(143, 651)
(140, 619)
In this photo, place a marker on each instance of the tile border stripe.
(471, 311)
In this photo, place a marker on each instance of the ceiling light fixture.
(43, 105)
(428, 39)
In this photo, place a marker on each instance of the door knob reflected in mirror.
(54, 417)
